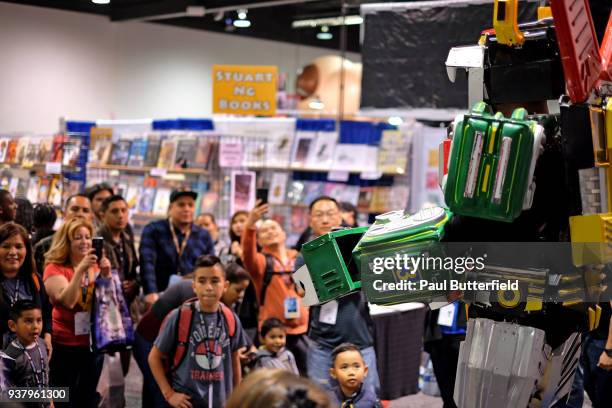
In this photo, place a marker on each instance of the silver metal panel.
(499, 365)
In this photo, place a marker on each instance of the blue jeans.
(319, 362)
(151, 394)
(590, 378)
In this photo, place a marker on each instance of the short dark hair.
(322, 198)
(92, 191)
(235, 273)
(343, 348)
(75, 196)
(44, 215)
(207, 214)
(269, 324)
(107, 202)
(20, 306)
(208, 261)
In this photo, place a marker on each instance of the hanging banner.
(244, 89)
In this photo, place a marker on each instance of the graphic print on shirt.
(207, 344)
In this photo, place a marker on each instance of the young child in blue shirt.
(349, 369)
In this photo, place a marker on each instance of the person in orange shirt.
(271, 271)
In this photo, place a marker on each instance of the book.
(71, 151)
(120, 152)
(278, 188)
(167, 154)
(55, 192)
(22, 146)
(11, 153)
(132, 195)
(295, 194)
(393, 152)
(4, 143)
(209, 202)
(342, 192)
(301, 148)
(162, 201)
(12, 187)
(312, 190)
(186, 150)
(45, 150)
(32, 193)
(153, 147)
(138, 152)
(147, 197)
(43, 190)
(322, 154)
(100, 154)
(203, 152)
(278, 150)
(254, 152)
(31, 154)
(98, 134)
(56, 148)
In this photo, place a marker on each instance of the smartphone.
(262, 194)
(98, 244)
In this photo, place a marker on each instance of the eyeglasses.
(321, 215)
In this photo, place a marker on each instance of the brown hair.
(59, 253)
(11, 229)
(277, 388)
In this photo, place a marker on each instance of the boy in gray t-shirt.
(26, 358)
(210, 366)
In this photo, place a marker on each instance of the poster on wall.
(242, 196)
(244, 89)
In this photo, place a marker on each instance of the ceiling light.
(395, 120)
(316, 104)
(324, 34)
(242, 14)
(328, 21)
(101, 1)
(242, 23)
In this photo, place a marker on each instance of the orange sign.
(244, 89)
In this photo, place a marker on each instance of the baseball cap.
(176, 194)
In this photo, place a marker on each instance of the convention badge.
(446, 316)
(329, 312)
(82, 323)
(292, 309)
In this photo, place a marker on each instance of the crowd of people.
(208, 312)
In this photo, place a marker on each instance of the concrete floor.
(133, 394)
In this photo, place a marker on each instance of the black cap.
(176, 194)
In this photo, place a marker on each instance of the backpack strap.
(230, 319)
(269, 272)
(183, 329)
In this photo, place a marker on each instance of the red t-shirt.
(63, 318)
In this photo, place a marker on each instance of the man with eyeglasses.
(346, 320)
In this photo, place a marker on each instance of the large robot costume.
(523, 343)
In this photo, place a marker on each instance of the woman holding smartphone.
(71, 267)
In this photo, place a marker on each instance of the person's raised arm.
(254, 262)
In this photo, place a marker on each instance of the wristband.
(608, 352)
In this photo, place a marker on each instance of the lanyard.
(15, 296)
(86, 293)
(210, 353)
(40, 382)
(179, 249)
